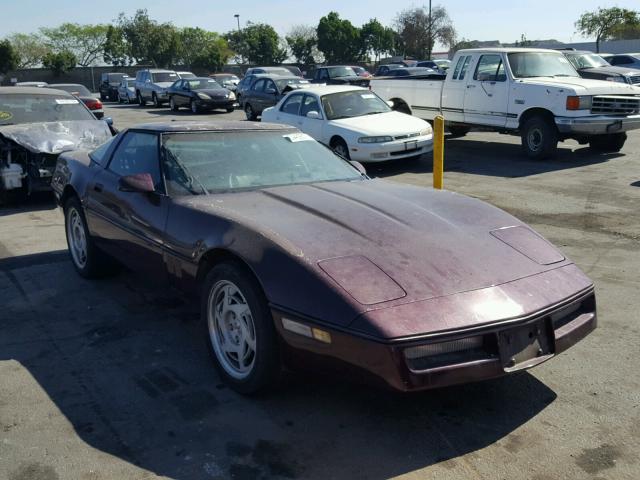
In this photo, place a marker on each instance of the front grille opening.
(571, 312)
(453, 352)
(615, 104)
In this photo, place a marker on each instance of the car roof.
(66, 85)
(328, 89)
(508, 50)
(200, 126)
(281, 77)
(33, 91)
(156, 70)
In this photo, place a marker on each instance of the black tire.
(249, 112)
(154, 100)
(400, 106)
(230, 109)
(266, 368)
(340, 147)
(120, 99)
(141, 101)
(610, 143)
(102, 97)
(172, 104)
(458, 130)
(97, 263)
(539, 137)
(193, 106)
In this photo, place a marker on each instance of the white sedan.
(354, 122)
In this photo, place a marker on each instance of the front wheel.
(610, 143)
(154, 99)
(194, 107)
(539, 138)
(230, 109)
(340, 147)
(249, 112)
(172, 104)
(239, 327)
(141, 101)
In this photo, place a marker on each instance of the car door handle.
(98, 187)
(471, 86)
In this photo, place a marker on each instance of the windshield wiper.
(563, 75)
(190, 177)
(371, 113)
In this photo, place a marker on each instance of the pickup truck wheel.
(612, 142)
(230, 109)
(539, 138)
(249, 113)
(239, 328)
(88, 260)
(154, 99)
(340, 147)
(458, 131)
(141, 101)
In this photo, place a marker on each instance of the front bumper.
(398, 149)
(213, 104)
(597, 125)
(510, 346)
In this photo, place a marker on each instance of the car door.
(453, 93)
(312, 126)
(184, 94)
(130, 225)
(487, 96)
(270, 95)
(288, 112)
(254, 95)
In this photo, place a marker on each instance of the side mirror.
(147, 81)
(108, 121)
(139, 182)
(390, 103)
(358, 167)
(313, 114)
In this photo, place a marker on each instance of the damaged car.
(36, 125)
(300, 260)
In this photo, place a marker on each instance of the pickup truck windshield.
(540, 64)
(164, 77)
(353, 103)
(335, 72)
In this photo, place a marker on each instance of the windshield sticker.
(66, 101)
(5, 116)
(368, 95)
(297, 137)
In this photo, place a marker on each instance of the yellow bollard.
(438, 152)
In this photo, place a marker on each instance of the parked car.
(338, 75)
(383, 70)
(186, 74)
(361, 71)
(268, 70)
(591, 65)
(428, 64)
(626, 60)
(295, 70)
(534, 93)
(354, 122)
(443, 63)
(298, 259)
(127, 90)
(31, 84)
(245, 84)
(266, 91)
(109, 83)
(83, 93)
(227, 80)
(36, 125)
(152, 84)
(413, 71)
(199, 94)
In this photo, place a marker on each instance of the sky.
(503, 20)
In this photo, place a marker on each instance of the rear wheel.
(339, 146)
(239, 327)
(154, 99)
(172, 104)
(194, 107)
(458, 131)
(141, 101)
(612, 142)
(539, 138)
(230, 109)
(249, 112)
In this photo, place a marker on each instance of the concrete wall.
(614, 46)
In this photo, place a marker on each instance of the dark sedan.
(200, 94)
(339, 75)
(84, 95)
(300, 260)
(591, 65)
(266, 91)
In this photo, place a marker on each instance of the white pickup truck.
(532, 92)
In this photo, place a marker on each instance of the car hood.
(585, 86)
(214, 92)
(163, 84)
(388, 123)
(625, 72)
(385, 243)
(58, 137)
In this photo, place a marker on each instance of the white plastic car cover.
(58, 137)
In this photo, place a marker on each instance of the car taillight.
(94, 104)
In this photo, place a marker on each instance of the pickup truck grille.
(615, 105)
(634, 80)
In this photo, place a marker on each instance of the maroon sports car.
(301, 260)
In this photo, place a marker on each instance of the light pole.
(430, 37)
(237, 15)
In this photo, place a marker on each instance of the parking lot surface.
(111, 379)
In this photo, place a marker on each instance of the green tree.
(377, 38)
(8, 57)
(147, 40)
(523, 42)
(116, 48)
(59, 62)
(626, 32)
(338, 39)
(604, 22)
(419, 35)
(86, 42)
(303, 43)
(30, 48)
(463, 44)
(258, 43)
(202, 49)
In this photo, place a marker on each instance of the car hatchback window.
(137, 153)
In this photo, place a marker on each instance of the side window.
(490, 69)
(292, 104)
(310, 104)
(456, 71)
(137, 153)
(270, 86)
(324, 74)
(465, 66)
(623, 60)
(258, 86)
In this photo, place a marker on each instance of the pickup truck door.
(487, 96)
(454, 90)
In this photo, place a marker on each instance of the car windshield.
(30, 108)
(353, 103)
(540, 64)
(164, 77)
(209, 162)
(131, 82)
(187, 75)
(204, 83)
(587, 60)
(115, 77)
(341, 72)
(79, 90)
(290, 81)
